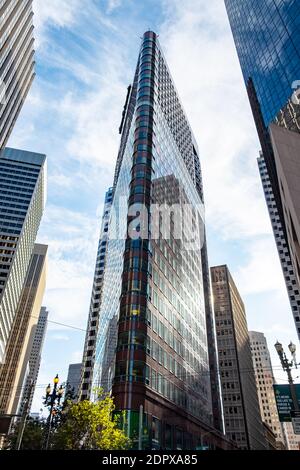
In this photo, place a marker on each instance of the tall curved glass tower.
(155, 347)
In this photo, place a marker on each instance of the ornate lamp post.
(287, 365)
(52, 401)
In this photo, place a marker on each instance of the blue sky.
(86, 53)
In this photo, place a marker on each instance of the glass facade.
(22, 200)
(16, 61)
(267, 38)
(152, 349)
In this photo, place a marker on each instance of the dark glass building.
(156, 348)
(267, 38)
(16, 61)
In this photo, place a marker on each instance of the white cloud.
(58, 337)
(202, 59)
(76, 357)
(112, 5)
(60, 13)
(72, 238)
(262, 271)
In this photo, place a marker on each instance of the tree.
(32, 437)
(88, 425)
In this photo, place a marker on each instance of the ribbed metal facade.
(16, 61)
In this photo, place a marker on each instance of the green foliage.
(32, 438)
(88, 425)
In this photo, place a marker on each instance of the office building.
(267, 39)
(74, 379)
(290, 278)
(33, 365)
(264, 383)
(21, 353)
(22, 199)
(16, 61)
(155, 316)
(293, 440)
(242, 418)
(93, 319)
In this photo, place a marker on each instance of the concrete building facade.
(288, 270)
(88, 360)
(242, 418)
(34, 362)
(21, 346)
(16, 61)
(22, 200)
(264, 382)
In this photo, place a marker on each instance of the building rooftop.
(24, 156)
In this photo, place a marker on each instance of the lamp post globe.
(279, 347)
(292, 348)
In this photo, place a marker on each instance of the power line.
(197, 376)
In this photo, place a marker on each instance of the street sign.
(284, 401)
(295, 415)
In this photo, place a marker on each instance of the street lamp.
(52, 401)
(287, 365)
(292, 348)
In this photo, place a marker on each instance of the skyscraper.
(267, 38)
(280, 237)
(242, 418)
(21, 347)
(293, 440)
(152, 349)
(34, 362)
(22, 198)
(93, 320)
(74, 379)
(264, 382)
(16, 61)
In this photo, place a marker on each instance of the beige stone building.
(14, 370)
(264, 382)
(243, 423)
(286, 146)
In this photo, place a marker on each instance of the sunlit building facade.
(22, 200)
(16, 367)
(16, 61)
(34, 362)
(243, 423)
(264, 383)
(155, 316)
